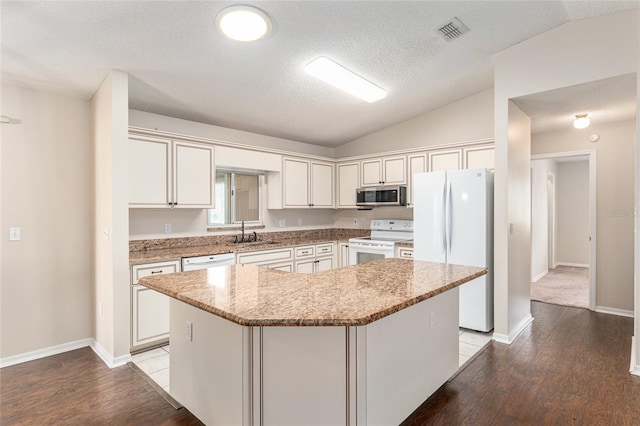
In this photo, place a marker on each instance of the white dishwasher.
(204, 262)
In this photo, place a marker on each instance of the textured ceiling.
(180, 66)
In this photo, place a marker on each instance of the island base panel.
(376, 374)
(402, 359)
(206, 370)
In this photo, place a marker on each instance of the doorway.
(563, 220)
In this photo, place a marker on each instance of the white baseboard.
(513, 334)
(45, 352)
(577, 265)
(615, 311)
(107, 358)
(540, 275)
(634, 367)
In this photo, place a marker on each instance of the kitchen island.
(365, 344)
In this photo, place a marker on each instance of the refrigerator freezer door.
(429, 219)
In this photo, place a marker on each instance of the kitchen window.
(238, 198)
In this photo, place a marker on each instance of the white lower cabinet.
(280, 259)
(150, 314)
(149, 309)
(315, 258)
(404, 252)
(343, 253)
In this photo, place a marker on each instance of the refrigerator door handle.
(443, 239)
(448, 209)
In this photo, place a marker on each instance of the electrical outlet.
(188, 331)
(167, 228)
(299, 222)
(282, 223)
(432, 320)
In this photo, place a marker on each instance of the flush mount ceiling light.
(338, 76)
(581, 121)
(243, 23)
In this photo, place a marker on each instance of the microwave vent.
(452, 29)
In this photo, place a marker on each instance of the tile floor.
(155, 363)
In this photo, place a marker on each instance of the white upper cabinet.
(348, 174)
(170, 174)
(384, 171)
(482, 157)
(321, 185)
(445, 160)
(149, 173)
(417, 164)
(296, 183)
(307, 184)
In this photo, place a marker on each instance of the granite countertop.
(251, 295)
(171, 249)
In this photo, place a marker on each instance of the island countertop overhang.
(250, 295)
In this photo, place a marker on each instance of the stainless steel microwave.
(392, 195)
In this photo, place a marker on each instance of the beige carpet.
(564, 285)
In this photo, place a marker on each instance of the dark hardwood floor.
(77, 388)
(570, 367)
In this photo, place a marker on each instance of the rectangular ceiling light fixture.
(338, 76)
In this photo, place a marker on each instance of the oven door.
(362, 252)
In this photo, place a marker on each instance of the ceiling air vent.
(452, 29)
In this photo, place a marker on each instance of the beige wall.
(468, 119)
(572, 195)
(111, 220)
(536, 65)
(614, 203)
(46, 191)
(191, 128)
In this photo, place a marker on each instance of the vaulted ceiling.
(180, 66)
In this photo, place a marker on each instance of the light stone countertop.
(251, 295)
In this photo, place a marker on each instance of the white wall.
(540, 171)
(112, 291)
(614, 202)
(572, 207)
(468, 119)
(46, 191)
(576, 52)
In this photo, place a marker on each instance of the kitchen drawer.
(322, 249)
(158, 268)
(405, 253)
(305, 251)
(265, 256)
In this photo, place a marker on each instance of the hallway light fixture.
(243, 23)
(581, 121)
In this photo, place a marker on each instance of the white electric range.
(382, 242)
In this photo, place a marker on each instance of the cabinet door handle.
(156, 272)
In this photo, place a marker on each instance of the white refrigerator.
(453, 223)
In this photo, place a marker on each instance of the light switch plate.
(14, 233)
